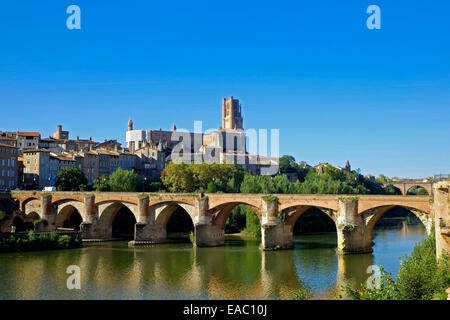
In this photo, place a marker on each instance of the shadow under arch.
(69, 217)
(20, 224)
(164, 211)
(117, 219)
(29, 219)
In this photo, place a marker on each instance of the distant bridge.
(354, 215)
(405, 185)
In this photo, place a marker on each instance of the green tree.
(178, 178)
(252, 224)
(123, 180)
(287, 164)
(101, 184)
(70, 179)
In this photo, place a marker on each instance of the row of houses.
(29, 162)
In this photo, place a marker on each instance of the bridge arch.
(70, 215)
(373, 215)
(221, 212)
(32, 205)
(420, 187)
(108, 211)
(294, 213)
(164, 210)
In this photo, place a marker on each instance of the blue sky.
(335, 89)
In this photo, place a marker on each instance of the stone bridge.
(405, 185)
(354, 216)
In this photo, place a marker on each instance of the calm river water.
(239, 270)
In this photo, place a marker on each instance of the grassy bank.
(38, 242)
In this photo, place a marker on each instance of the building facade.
(8, 167)
(28, 140)
(36, 169)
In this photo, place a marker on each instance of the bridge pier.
(146, 231)
(206, 233)
(274, 233)
(351, 228)
(48, 214)
(441, 210)
(88, 227)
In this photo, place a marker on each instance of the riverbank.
(31, 241)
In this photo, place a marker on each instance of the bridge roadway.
(354, 215)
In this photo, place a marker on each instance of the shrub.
(64, 241)
(420, 277)
(302, 293)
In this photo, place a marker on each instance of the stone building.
(231, 115)
(150, 161)
(8, 167)
(36, 172)
(9, 138)
(59, 134)
(227, 144)
(28, 140)
(88, 161)
(108, 161)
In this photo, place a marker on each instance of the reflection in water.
(238, 270)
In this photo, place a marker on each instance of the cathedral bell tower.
(231, 114)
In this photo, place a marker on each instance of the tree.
(287, 164)
(202, 177)
(101, 184)
(177, 178)
(71, 179)
(123, 180)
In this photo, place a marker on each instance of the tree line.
(230, 178)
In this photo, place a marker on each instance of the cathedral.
(226, 144)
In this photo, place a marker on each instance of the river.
(239, 270)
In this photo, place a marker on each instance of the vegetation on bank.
(228, 178)
(243, 220)
(420, 277)
(35, 242)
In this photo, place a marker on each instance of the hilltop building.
(226, 144)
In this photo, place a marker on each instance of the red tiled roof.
(29, 134)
